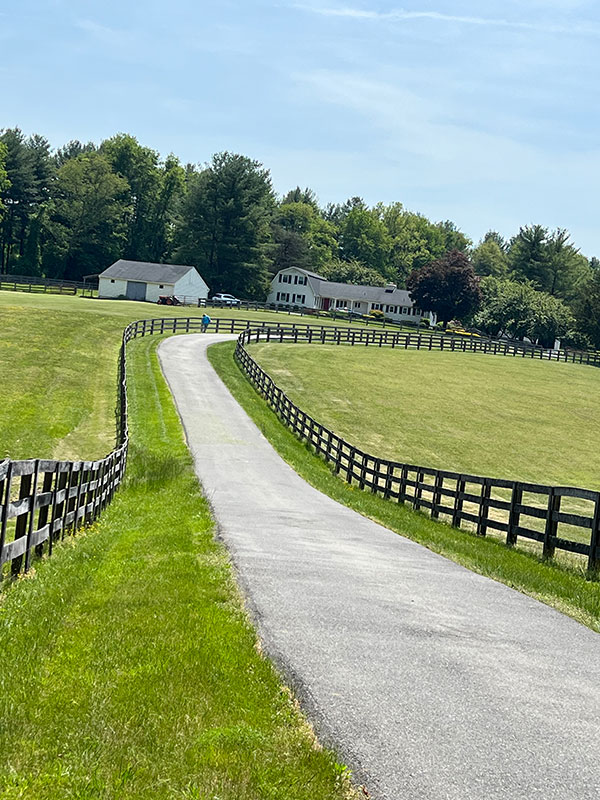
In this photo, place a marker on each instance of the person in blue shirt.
(205, 323)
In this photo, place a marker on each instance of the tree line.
(71, 212)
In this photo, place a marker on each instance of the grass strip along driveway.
(565, 589)
(128, 667)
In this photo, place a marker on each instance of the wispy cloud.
(432, 145)
(111, 37)
(401, 15)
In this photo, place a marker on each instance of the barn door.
(136, 290)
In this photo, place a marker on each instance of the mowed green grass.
(497, 416)
(128, 667)
(566, 587)
(58, 368)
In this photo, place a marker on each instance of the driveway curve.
(429, 680)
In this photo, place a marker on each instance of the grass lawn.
(58, 367)
(128, 668)
(499, 416)
(563, 587)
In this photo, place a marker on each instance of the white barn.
(299, 287)
(142, 280)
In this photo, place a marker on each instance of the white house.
(299, 287)
(141, 280)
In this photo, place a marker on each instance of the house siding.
(110, 288)
(292, 288)
(286, 290)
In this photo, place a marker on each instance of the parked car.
(225, 299)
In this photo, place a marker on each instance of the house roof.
(372, 294)
(146, 272)
(309, 273)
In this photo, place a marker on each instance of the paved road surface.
(431, 681)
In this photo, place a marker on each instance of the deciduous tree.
(85, 228)
(447, 286)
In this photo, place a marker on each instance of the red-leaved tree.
(447, 286)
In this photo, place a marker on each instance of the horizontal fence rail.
(43, 500)
(37, 284)
(560, 518)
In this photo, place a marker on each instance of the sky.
(485, 113)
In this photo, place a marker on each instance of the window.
(405, 310)
(340, 303)
(391, 309)
(377, 307)
(418, 312)
(161, 286)
(279, 279)
(112, 280)
(357, 304)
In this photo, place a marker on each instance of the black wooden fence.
(42, 500)
(570, 517)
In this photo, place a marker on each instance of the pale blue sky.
(483, 113)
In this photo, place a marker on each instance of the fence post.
(437, 496)
(514, 514)
(484, 507)
(33, 498)
(402, 487)
(419, 478)
(458, 502)
(551, 524)
(594, 560)
(4, 501)
(43, 515)
(22, 520)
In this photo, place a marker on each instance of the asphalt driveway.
(429, 680)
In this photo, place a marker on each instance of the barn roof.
(146, 272)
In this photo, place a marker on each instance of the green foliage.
(298, 195)
(153, 190)
(587, 309)
(30, 172)
(353, 272)
(72, 149)
(490, 259)
(302, 237)
(548, 260)
(4, 182)
(364, 237)
(518, 310)
(86, 224)
(225, 226)
(447, 286)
